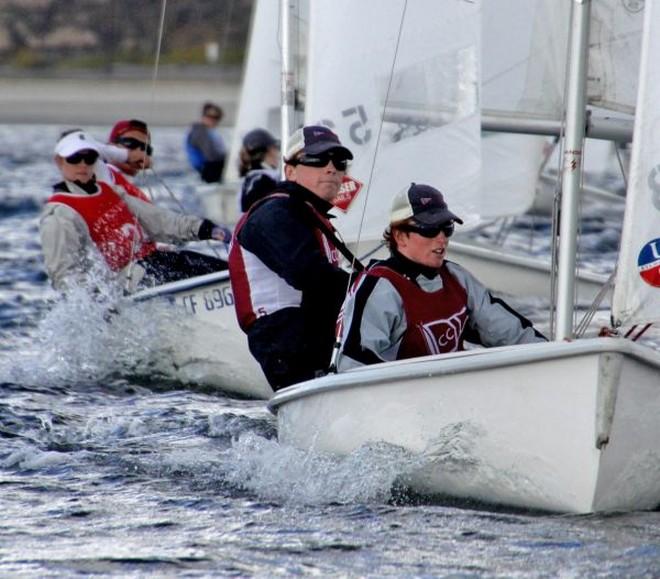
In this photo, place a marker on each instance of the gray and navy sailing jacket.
(449, 305)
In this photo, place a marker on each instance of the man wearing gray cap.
(284, 262)
(417, 302)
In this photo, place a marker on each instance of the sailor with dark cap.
(259, 166)
(284, 262)
(417, 302)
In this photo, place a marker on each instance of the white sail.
(614, 51)
(637, 293)
(510, 162)
(399, 83)
(259, 104)
(614, 54)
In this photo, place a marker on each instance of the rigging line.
(639, 334)
(617, 150)
(161, 29)
(154, 76)
(159, 44)
(182, 208)
(630, 331)
(579, 237)
(591, 312)
(334, 359)
(382, 121)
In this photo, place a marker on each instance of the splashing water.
(91, 336)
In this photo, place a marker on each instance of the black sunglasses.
(131, 143)
(322, 160)
(88, 157)
(430, 231)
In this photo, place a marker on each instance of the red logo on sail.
(347, 192)
(648, 263)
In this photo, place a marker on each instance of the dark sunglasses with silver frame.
(429, 231)
(340, 161)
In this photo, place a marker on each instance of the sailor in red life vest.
(417, 302)
(133, 137)
(284, 262)
(85, 220)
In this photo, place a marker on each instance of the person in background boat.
(284, 262)
(417, 302)
(86, 219)
(205, 147)
(259, 160)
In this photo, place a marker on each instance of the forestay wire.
(335, 351)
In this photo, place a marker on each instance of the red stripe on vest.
(114, 230)
(240, 285)
(435, 320)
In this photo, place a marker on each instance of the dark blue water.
(107, 467)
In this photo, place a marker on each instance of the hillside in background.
(59, 37)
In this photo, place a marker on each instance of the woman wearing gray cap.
(416, 302)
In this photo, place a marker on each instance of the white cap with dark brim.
(74, 142)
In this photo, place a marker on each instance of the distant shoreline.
(91, 99)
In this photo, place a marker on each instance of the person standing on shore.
(205, 147)
(87, 222)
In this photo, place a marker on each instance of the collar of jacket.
(76, 187)
(409, 268)
(302, 193)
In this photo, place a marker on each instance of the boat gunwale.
(174, 287)
(461, 362)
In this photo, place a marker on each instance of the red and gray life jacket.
(113, 228)
(259, 291)
(435, 320)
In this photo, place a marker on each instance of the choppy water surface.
(107, 467)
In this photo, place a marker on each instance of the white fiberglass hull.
(566, 427)
(211, 349)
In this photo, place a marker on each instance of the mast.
(572, 165)
(288, 93)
